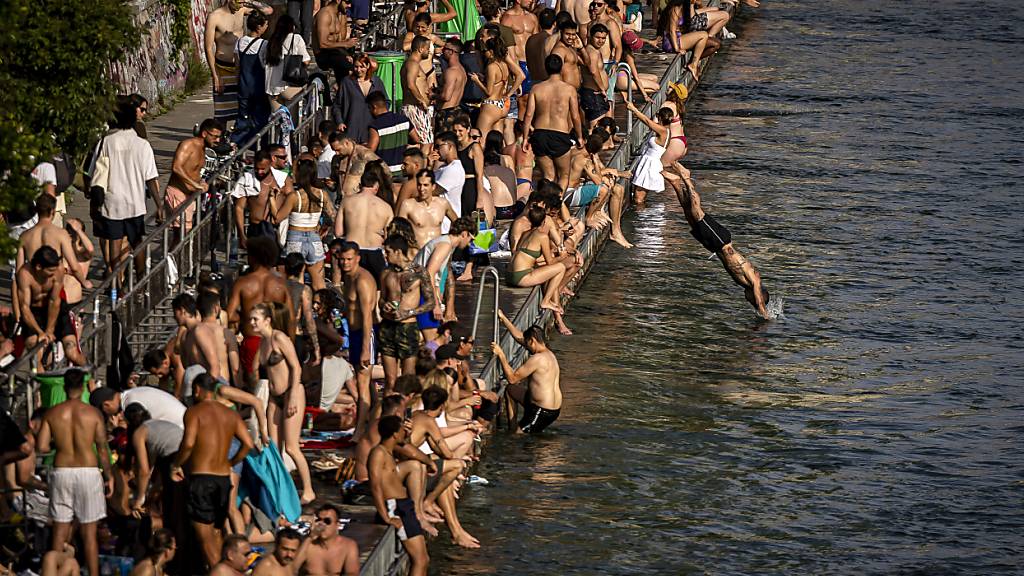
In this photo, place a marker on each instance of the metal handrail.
(629, 92)
(489, 271)
(97, 302)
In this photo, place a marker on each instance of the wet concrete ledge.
(522, 304)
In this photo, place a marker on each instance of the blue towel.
(266, 483)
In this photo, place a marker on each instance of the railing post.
(492, 272)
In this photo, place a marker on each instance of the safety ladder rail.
(492, 272)
(629, 93)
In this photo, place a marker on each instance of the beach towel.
(267, 484)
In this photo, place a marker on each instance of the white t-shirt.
(451, 178)
(159, 404)
(242, 45)
(46, 173)
(132, 164)
(323, 163)
(247, 185)
(294, 45)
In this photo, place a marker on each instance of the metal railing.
(492, 272)
(174, 252)
(389, 27)
(629, 92)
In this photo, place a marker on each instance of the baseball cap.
(447, 352)
(100, 395)
(631, 39)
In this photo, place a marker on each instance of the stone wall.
(157, 68)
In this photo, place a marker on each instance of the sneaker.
(726, 35)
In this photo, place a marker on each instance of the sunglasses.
(282, 157)
(327, 521)
(143, 110)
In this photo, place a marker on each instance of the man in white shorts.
(78, 490)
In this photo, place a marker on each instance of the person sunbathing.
(524, 272)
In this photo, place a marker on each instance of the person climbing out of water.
(717, 239)
(541, 396)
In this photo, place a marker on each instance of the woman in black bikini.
(285, 409)
(524, 271)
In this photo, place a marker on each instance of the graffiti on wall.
(157, 68)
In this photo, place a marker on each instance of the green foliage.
(180, 34)
(56, 91)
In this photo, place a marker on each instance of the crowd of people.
(344, 317)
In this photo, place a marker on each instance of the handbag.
(295, 73)
(486, 239)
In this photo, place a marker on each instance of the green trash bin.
(51, 388)
(389, 70)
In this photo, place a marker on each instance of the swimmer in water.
(717, 239)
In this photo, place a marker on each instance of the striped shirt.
(393, 131)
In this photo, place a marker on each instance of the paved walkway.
(164, 133)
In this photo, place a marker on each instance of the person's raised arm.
(513, 331)
(657, 128)
(448, 14)
(514, 376)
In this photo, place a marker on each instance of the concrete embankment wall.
(157, 68)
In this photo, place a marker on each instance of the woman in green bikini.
(524, 271)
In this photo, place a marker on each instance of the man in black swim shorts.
(541, 396)
(718, 240)
(552, 115)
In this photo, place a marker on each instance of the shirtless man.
(234, 557)
(84, 251)
(551, 113)
(594, 79)
(535, 45)
(578, 9)
(77, 489)
(331, 40)
(360, 291)
(520, 18)
(406, 291)
(209, 482)
(426, 211)
(571, 50)
(608, 14)
(354, 158)
(186, 316)
(224, 26)
(390, 496)
(46, 233)
(205, 343)
(718, 240)
(416, 93)
(413, 161)
(252, 194)
(261, 284)
(453, 84)
(541, 397)
(283, 562)
(427, 435)
(362, 219)
(326, 552)
(44, 314)
(189, 158)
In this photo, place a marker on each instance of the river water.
(867, 158)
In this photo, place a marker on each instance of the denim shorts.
(307, 243)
